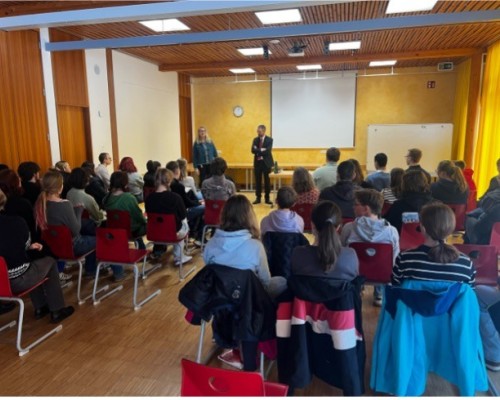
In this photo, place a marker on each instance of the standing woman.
(204, 152)
(135, 180)
(451, 187)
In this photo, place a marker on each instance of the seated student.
(413, 159)
(217, 187)
(479, 222)
(195, 209)
(50, 209)
(303, 184)
(283, 219)
(326, 175)
(186, 180)
(368, 227)
(489, 298)
(149, 177)
(236, 244)
(24, 273)
(95, 187)
(119, 199)
(325, 258)
(451, 187)
(393, 192)
(101, 171)
(77, 181)
(64, 168)
(29, 172)
(164, 201)
(359, 178)
(135, 181)
(434, 260)
(342, 193)
(468, 172)
(380, 179)
(415, 193)
(495, 181)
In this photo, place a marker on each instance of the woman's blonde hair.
(238, 214)
(439, 222)
(182, 167)
(207, 138)
(454, 173)
(52, 183)
(163, 177)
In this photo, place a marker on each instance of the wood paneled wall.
(23, 116)
(70, 84)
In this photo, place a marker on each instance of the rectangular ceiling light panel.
(344, 46)
(165, 25)
(404, 6)
(255, 51)
(242, 71)
(279, 17)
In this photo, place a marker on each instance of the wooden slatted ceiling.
(476, 36)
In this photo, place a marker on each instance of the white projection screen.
(316, 110)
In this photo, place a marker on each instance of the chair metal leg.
(79, 288)
(95, 291)
(183, 275)
(25, 350)
(200, 342)
(137, 306)
(203, 233)
(154, 267)
(11, 324)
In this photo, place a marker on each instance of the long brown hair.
(439, 222)
(326, 217)
(238, 214)
(52, 183)
(453, 172)
(302, 181)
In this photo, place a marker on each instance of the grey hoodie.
(282, 221)
(365, 229)
(238, 250)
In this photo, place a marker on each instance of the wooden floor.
(112, 350)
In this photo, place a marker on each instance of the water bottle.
(276, 167)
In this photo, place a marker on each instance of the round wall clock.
(238, 111)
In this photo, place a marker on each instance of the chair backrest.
(459, 211)
(111, 244)
(279, 248)
(495, 236)
(60, 241)
(410, 236)
(385, 208)
(202, 380)
(119, 219)
(161, 228)
(484, 258)
(472, 200)
(375, 260)
(146, 191)
(304, 210)
(5, 290)
(213, 209)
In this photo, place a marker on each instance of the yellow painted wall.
(402, 98)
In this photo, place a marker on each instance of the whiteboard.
(434, 140)
(314, 110)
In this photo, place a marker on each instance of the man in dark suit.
(263, 161)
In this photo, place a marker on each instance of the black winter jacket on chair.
(279, 248)
(241, 308)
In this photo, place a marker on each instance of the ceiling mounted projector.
(297, 50)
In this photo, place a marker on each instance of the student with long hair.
(434, 260)
(393, 192)
(24, 272)
(326, 257)
(186, 180)
(451, 187)
(135, 180)
(204, 152)
(303, 184)
(164, 201)
(236, 244)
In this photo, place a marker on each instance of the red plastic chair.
(120, 219)
(7, 295)
(304, 210)
(213, 208)
(161, 229)
(60, 242)
(495, 237)
(484, 258)
(201, 380)
(112, 248)
(375, 261)
(146, 191)
(472, 200)
(459, 211)
(410, 236)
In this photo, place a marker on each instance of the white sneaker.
(231, 357)
(185, 259)
(64, 277)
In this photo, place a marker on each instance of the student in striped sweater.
(434, 260)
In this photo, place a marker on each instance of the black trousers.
(261, 169)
